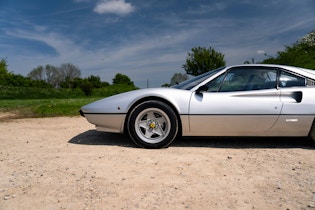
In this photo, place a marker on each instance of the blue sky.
(145, 39)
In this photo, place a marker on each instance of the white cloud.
(50, 39)
(118, 7)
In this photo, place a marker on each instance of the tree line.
(67, 76)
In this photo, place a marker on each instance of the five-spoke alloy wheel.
(152, 124)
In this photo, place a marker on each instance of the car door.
(297, 114)
(242, 101)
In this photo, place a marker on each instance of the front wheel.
(152, 125)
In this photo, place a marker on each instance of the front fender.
(121, 103)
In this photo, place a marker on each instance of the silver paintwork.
(112, 123)
(270, 112)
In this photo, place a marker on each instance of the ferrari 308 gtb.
(241, 100)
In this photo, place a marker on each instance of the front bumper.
(81, 113)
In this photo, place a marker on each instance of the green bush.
(12, 92)
(112, 90)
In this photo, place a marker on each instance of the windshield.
(192, 82)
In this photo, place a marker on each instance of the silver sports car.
(241, 100)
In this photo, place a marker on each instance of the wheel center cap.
(152, 125)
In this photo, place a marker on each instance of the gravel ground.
(63, 163)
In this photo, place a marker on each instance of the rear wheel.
(152, 125)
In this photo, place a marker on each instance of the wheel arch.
(154, 98)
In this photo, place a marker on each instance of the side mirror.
(203, 88)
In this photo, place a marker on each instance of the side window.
(244, 79)
(235, 80)
(247, 79)
(214, 85)
(287, 79)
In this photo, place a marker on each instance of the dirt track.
(62, 163)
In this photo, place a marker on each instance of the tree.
(165, 85)
(87, 87)
(56, 77)
(95, 81)
(308, 39)
(3, 66)
(37, 73)
(49, 74)
(301, 53)
(3, 72)
(202, 60)
(177, 78)
(69, 72)
(52, 75)
(122, 79)
(88, 84)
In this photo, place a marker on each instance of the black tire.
(152, 125)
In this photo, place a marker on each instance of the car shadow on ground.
(93, 137)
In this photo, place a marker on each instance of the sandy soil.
(63, 163)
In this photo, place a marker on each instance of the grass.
(49, 102)
(44, 107)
